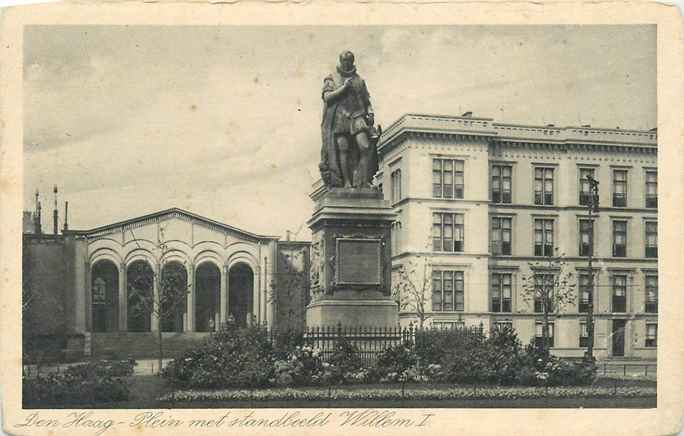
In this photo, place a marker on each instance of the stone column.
(88, 297)
(256, 294)
(154, 321)
(123, 318)
(223, 299)
(191, 299)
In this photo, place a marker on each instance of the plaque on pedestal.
(350, 260)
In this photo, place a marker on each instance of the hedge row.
(246, 357)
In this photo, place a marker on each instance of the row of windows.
(502, 182)
(448, 182)
(650, 334)
(448, 292)
(448, 235)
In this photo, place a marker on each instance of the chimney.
(66, 216)
(288, 233)
(55, 213)
(38, 216)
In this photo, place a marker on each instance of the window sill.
(446, 198)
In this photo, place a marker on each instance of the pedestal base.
(352, 313)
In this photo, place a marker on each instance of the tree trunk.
(161, 352)
(545, 326)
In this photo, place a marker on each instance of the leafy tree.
(548, 287)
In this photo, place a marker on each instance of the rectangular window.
(651, 335)
(619, 188)
(543, 186)
(619, 238)
(447, 178)
(543, 291)
(539, 334)
(543, 237)
(652, 294)
(586, 240)
(501, 236)
(584, 335)
(651, 239)
(619, 293)
(447, 232)
(395, 179)
(585, 293)
(501, 292)
(447, 291)
(651, 189)
(501, 183)
(585, 186)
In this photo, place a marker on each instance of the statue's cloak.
(330, 166)
(331, 172)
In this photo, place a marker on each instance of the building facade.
(481, 205)
(81, 282)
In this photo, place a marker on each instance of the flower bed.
(412, 392)
(238, 357)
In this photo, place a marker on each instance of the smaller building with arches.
(104, 279)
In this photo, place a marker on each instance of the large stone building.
(81, 281)
(479, 201)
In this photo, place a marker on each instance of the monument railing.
(367, 343)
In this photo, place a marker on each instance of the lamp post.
(593, 207)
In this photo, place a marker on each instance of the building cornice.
(517, 135)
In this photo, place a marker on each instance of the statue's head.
(347, 61)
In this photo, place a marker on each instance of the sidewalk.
(143, 367)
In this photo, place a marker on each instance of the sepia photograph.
(341, 219)
(339, 216)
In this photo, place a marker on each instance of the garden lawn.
(350, 395)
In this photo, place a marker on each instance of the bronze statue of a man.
(348, 153)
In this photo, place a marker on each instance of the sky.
(225, 121)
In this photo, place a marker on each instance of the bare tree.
(173, 288)
(549, 287)
(412, 287)
(291, 287)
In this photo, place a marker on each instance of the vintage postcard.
(283, 218)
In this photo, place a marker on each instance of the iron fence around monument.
(368, 343)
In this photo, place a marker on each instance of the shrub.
(78, 385)
(302, 366)
(566, 373)
(345, 366)
(473, 365)
(432, 345)
(397, 358)
(539, 368)
(103, 368)
(504, 350)
(232, 357)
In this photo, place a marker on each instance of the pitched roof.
(166, 212)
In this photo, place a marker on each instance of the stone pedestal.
(351, 266)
